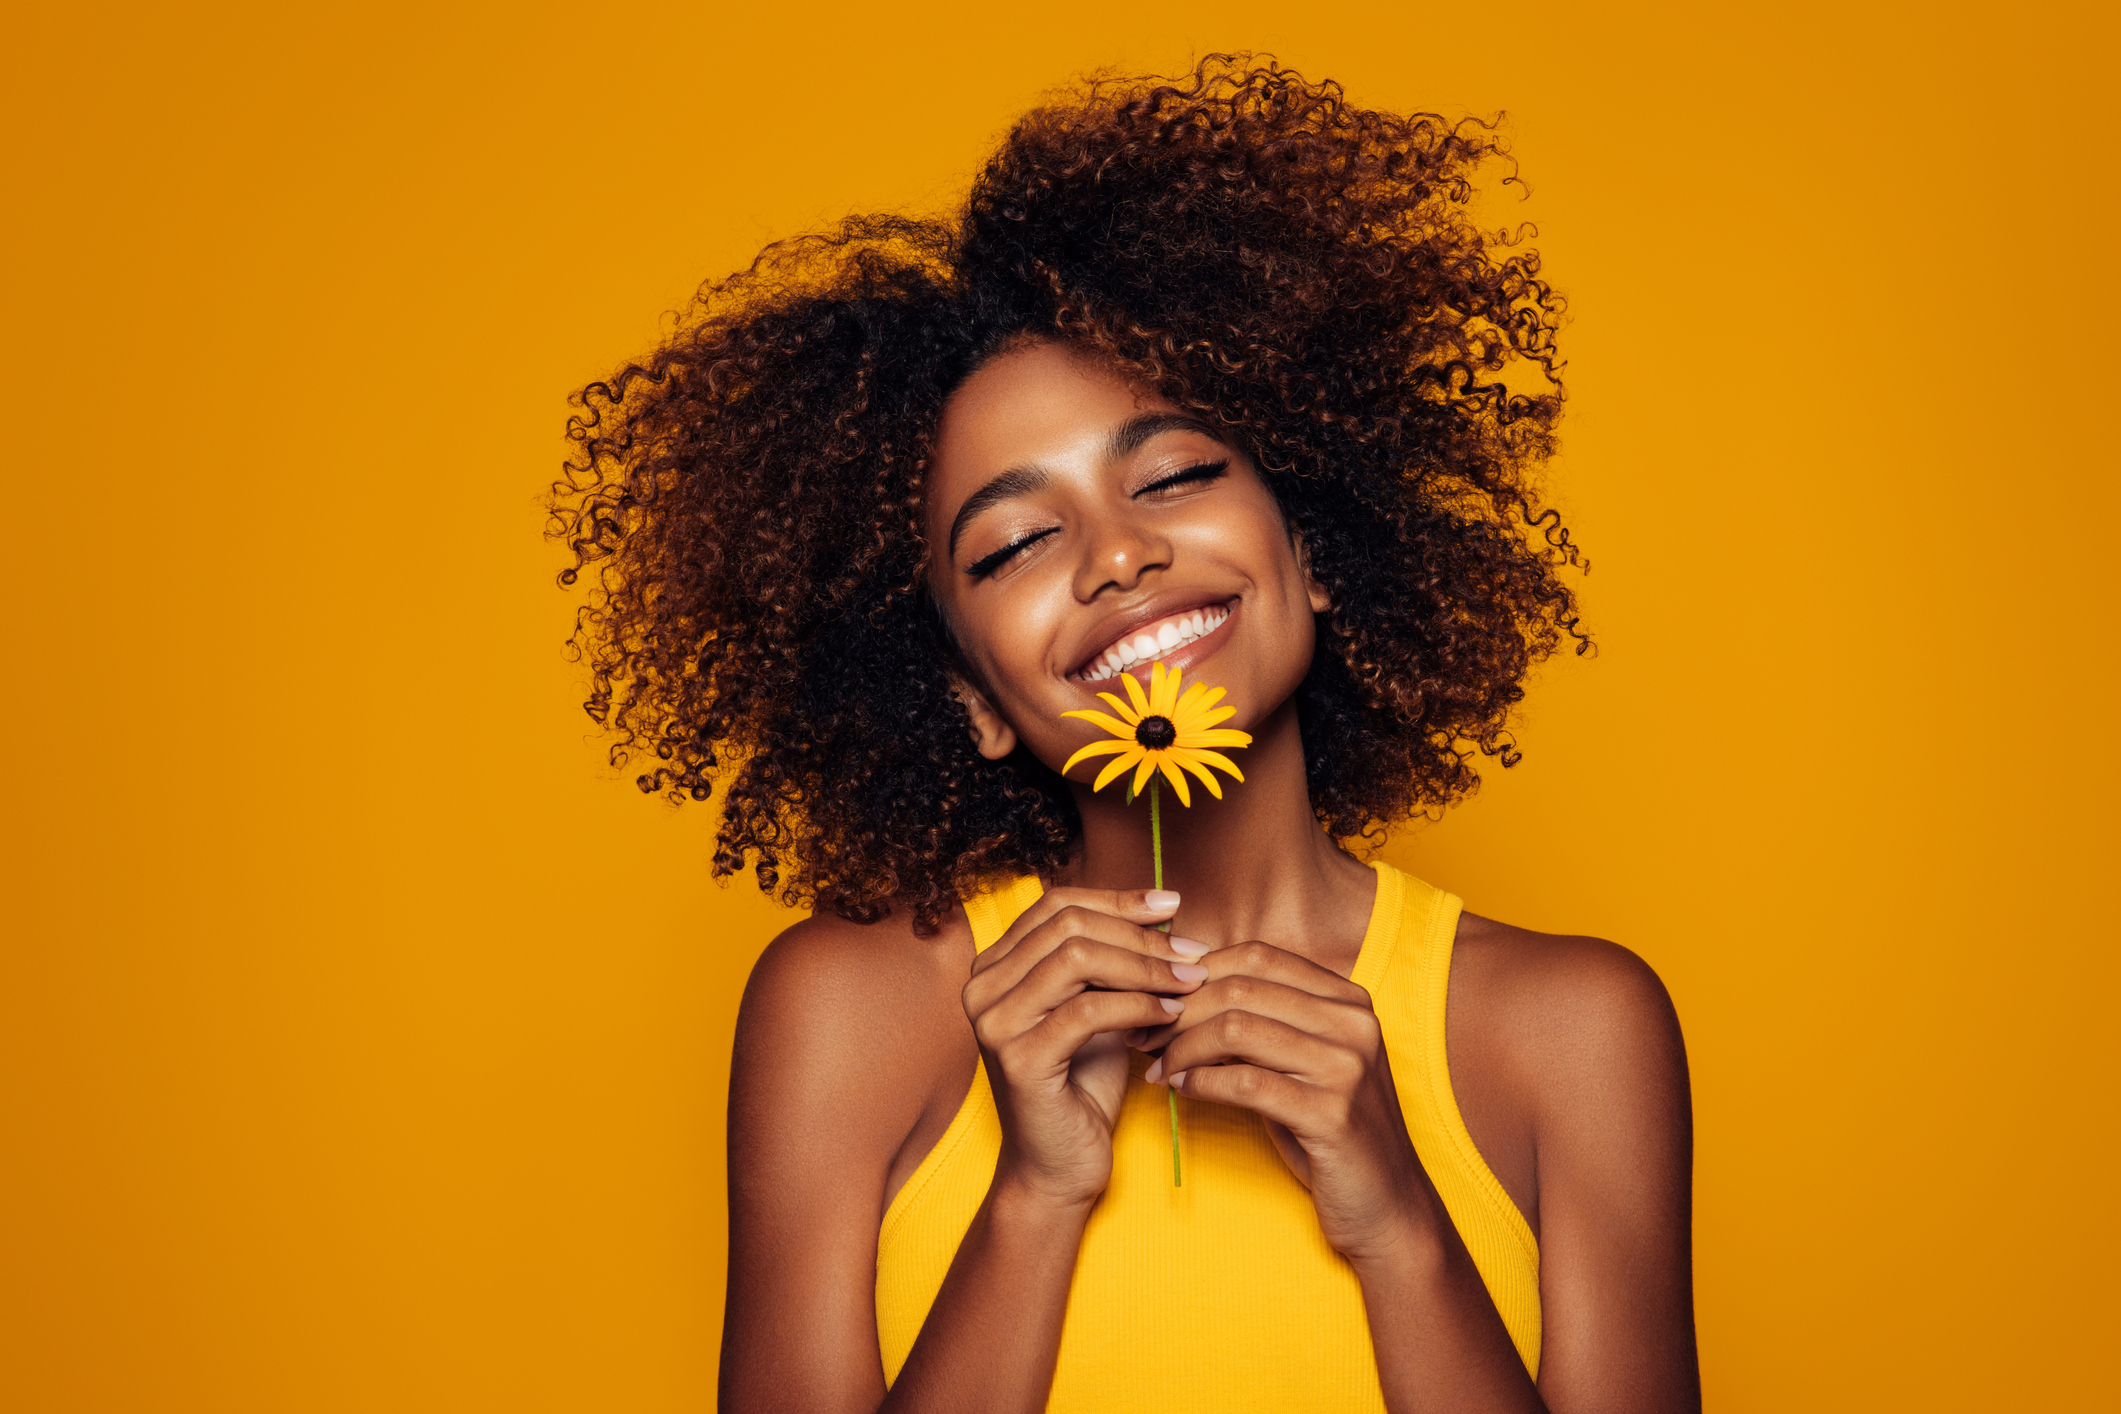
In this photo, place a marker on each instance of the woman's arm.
(1589, 1035)
(835, 1038)
(849, 1040)
(1587, 1046)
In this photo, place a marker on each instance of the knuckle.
(1349, 1068)
(1239, 990)
(1074, 953)
(1254, 955)
(1244, 1082)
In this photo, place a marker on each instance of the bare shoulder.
(1554, 999)
(1557, 1041)
(852, 977)
(1572, 1077)
(848, 1037)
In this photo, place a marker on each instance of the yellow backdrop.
(365, 1038)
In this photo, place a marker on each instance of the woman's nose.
(1118, 552)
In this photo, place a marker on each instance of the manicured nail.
(1171, 1004)
(1155, 1071)
(1189, 972)
(1136, 1036)
(1178, 1081)
(1186, 947)
(1160, 901)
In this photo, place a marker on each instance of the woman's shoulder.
(1565, 1051)
(852, 1034)
(837, 988)
(1569, 988)
(826, 957)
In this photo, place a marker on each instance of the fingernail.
(1189, 972)
(1160, 901)
(1136, 1036)
(1155, 1070)
(1186, 947)
(1171, 1004)
(1178, 1081)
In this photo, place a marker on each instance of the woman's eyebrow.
(1128, 437)
(1017, 481)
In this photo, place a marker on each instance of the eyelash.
(988, 564)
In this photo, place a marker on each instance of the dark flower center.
(1156, 733)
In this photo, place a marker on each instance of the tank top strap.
(1406, 967)
(997, 903)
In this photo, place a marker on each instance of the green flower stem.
(1156, 848)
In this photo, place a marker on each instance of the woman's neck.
(1253, 865)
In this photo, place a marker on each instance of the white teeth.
(1145, 646)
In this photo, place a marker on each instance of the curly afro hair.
(1301, 271)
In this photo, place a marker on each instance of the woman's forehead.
(1045, 405)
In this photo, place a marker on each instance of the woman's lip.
(1184, 657)
(1137, 623)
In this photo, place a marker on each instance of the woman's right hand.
(1049, 1004)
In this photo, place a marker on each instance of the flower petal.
(1118, 766)
(1211, 758)
(1177, 780)
(1221, 736)
(1127, 714)
(1144, 771)
(1163, 689)
(1111, 724)
(1201, 711)
(1094, 749)
(1135, 694)
(1207, 776)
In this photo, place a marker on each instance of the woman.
(1211, 376)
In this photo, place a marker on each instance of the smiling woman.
(1209, 377)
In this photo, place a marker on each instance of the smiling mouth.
(1153, 641)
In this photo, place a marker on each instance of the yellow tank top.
(1273, 1317)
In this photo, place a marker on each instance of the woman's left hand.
(1300, 1046)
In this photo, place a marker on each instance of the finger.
(1343, 1022)
(1142, 907)
(1079, 965)
(1243, 1037)
(1273, 964)
(1076, 921)
(1266, 1093)
(1044, 1051)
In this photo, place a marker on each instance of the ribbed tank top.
(1222, 1294)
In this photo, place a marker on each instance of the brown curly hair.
(1300, 271)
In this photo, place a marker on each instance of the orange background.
(365, 1037)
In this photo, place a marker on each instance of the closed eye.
(988, 564)
(1205, 471)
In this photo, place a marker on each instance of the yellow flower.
(1163, 731)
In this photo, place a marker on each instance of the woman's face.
(1080, 528)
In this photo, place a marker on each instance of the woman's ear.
(1320, 600)
(991, 733)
